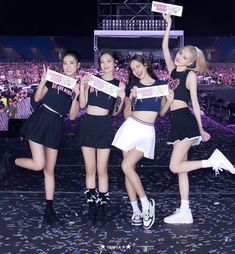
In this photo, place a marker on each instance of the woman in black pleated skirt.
(44, 129)
(96, 135)
(186, 126)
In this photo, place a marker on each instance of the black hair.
(113, 54)
(143, 60)
(73, 53)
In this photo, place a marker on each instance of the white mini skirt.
(136, 134)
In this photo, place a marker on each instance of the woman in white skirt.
(136, 137)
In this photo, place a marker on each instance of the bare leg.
(102, 168)
(37, 162)
(130, 189)
(177, 163)
(89, 155)
(179, 159)
(135, 187)
(184, 183)
(49, 180)
(49, 172)
(128, 167)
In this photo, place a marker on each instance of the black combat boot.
(102, 202)
(91, 197)
(50, 217)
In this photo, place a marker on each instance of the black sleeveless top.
(178, 78)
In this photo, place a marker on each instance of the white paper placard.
(171, 9)
(103, 86)
(60, 79)
(152, 91)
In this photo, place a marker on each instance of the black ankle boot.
(101, 215)
(91, 200)
(91, 217)
(102, 202)
(50, 217)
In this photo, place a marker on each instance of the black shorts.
(96, 131)
(44, 127)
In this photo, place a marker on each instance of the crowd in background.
(18, 80)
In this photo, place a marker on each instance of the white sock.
(135, 206)
(184, 204)
(144, 203)
(206, 164)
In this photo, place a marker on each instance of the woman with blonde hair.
(186, 128)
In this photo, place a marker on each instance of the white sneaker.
(136, 218)
(180, 216)
(149, 215)
(220, 162)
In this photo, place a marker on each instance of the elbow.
(115, 113)
(82, 105)
(72, 118)
(36, 99)
(161, 114)
(126, 115)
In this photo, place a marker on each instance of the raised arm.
(165, 44)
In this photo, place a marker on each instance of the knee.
(49, 172)
(126, 167)
(90, 171)
(102, 172)
(39, 166)
(173, 168)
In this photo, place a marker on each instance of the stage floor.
(212, 203)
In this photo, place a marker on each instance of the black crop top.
(101, 99)
(148, 104)
(179, 79)
(58, 98)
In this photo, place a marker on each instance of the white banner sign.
(60, 79)
(171, 9)
(103, 86)
(152, 91)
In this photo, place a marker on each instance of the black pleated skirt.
(96, 131)
(44, 127)
(184, 127)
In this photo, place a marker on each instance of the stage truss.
(135, 41)
(129, 15)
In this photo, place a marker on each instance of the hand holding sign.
(103, 86)
(60, 79)
(152, 91)
(171, 9)
(85, 79)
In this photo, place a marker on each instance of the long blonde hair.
(199, 59)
